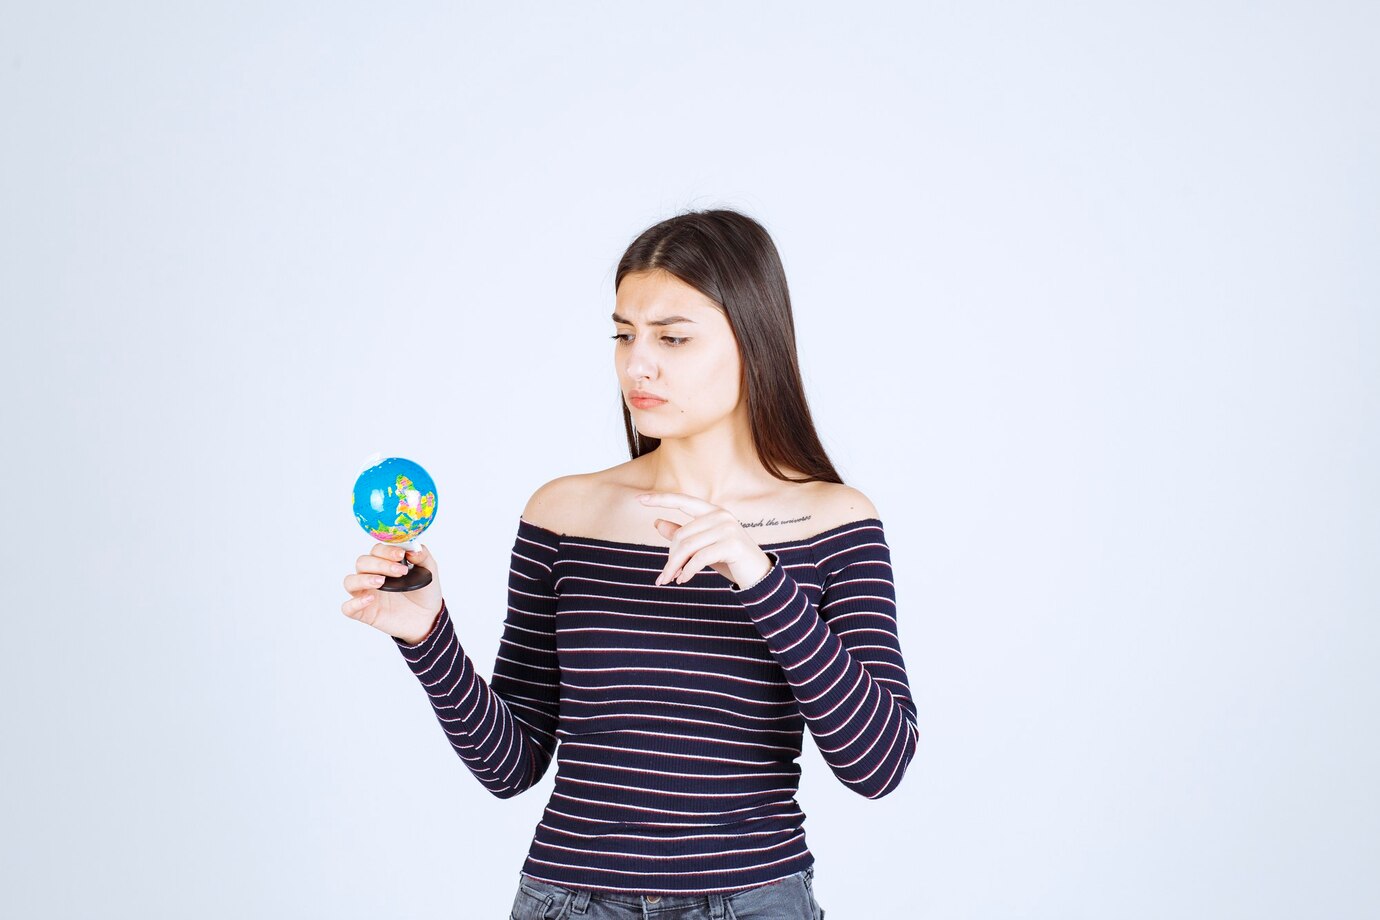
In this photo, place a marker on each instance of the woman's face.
(692, 363)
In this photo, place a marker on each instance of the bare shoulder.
(842, 504)
(598, 503)
(555, 504)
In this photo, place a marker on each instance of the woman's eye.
(670, 339)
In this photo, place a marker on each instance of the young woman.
(674, 622)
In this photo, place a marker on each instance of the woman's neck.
(720, 473)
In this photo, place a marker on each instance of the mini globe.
(394, 501)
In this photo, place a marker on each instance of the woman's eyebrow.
(667, 321)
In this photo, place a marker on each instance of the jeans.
(790, 898)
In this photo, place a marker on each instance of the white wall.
(1087, 304)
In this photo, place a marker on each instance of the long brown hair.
(731, 259)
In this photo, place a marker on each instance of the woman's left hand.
(712, 537)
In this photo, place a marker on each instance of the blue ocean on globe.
(395, 500)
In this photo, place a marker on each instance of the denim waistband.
(580, 897)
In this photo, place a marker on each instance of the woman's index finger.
(688, 503)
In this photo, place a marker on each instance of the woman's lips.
(642, 402)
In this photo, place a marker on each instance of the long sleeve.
(843, 660)
(504, 730)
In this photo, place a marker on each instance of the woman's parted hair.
(731, 259)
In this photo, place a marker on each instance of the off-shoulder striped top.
(675, 712)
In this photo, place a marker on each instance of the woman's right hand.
(405, 615)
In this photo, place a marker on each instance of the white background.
(1087, 304)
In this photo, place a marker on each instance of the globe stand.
(416, 577)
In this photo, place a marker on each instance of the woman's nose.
(640, 363)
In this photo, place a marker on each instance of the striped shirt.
(675, 712)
